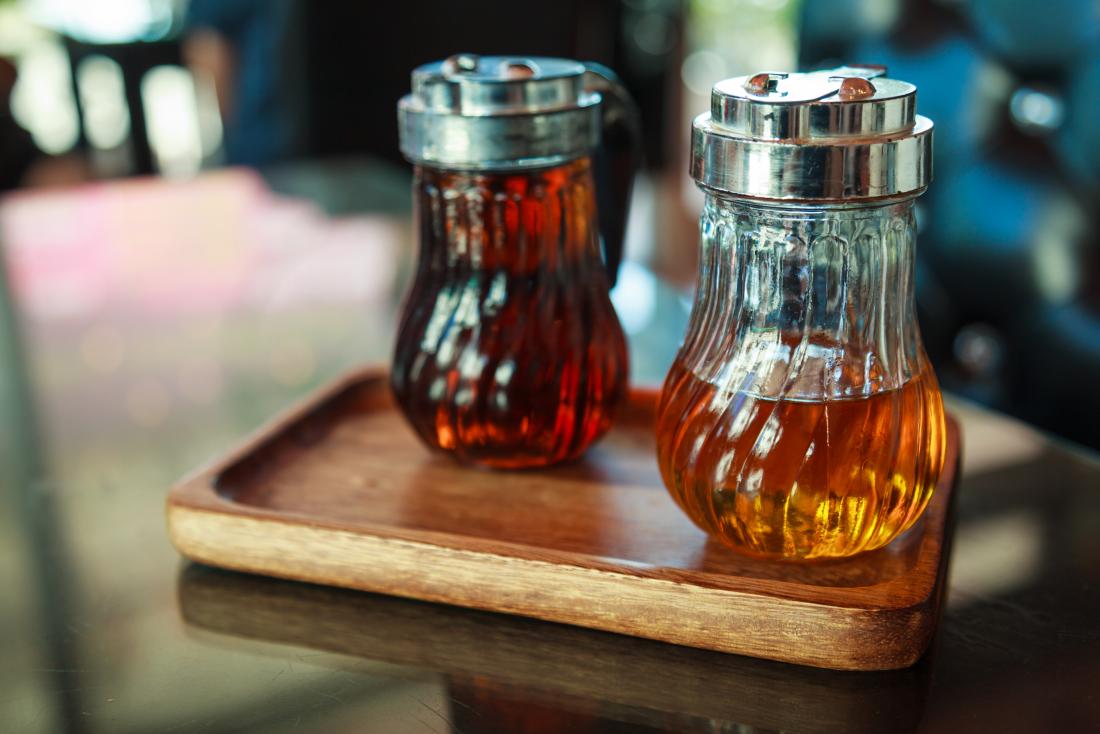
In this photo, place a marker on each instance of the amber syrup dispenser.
(801, 418)
(509, 353)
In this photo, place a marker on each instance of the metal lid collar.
(499, 112)
(840, 134)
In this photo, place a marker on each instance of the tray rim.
(194, 506)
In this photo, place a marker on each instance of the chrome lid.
(834, 135)
(499, 112)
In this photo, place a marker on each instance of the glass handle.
(616, 160)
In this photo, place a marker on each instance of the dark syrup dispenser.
(509, 353)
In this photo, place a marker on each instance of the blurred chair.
(134, 60)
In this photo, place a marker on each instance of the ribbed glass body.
(509, 352)
(801, 418)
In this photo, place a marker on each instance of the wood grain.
(338, 491)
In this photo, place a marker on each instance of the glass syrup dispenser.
(509, 353)
(801, 418)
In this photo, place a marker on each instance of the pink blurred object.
(152, 247)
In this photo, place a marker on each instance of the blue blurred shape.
(1036, 111)
(963, 91)
(838, 23)
(1007, 237)
(1029, 33)
(1079, 142)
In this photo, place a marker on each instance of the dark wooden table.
(145, 325)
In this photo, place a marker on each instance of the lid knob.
(460, 63)
(855, 87)
(764, 83)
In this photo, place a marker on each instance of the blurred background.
(305, 93)
(204, 215)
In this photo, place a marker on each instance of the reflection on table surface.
(582, 676)
(146, 325)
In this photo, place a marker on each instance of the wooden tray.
(339, 491)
